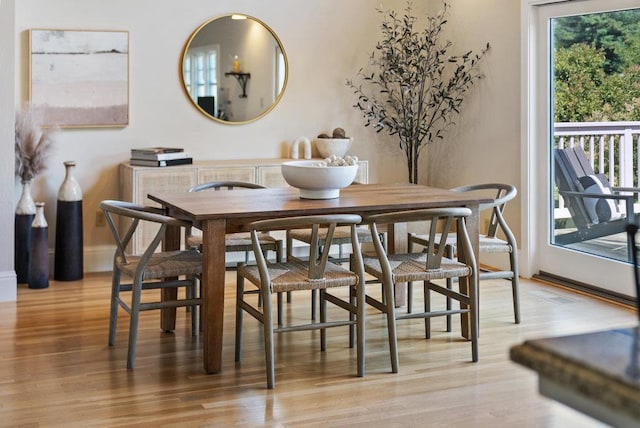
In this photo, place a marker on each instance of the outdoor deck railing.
(612, 147)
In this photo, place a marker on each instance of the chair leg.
(314, 293)
(314, 298)
(268, 339)
(133, 321)
(246, 261)
(113, 313)
(281, 258)
(391, 324)
(289, 248)
(353, 301)
(201, 311)
(279, 303)
(409, 284)
(515, 293)
(449, 281)
(192, 291)
(474, 323)
(360, 305)
(323, 319)
(239, 314)
(427, 308)
(352, 317)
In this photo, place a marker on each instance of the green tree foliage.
(621, 95)
(607, 32)
(579, 76)
(597, 67)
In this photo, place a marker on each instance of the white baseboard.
(499, 261)
(8, 286)
(98, 258)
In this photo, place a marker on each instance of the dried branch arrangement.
(34, 145)
(413, 87)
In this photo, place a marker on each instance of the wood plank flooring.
(57, 370)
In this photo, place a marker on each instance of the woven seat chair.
(151, 270)
(341, 236)
(318, 273)
(489, 241)
(427, 267)
(239, 242)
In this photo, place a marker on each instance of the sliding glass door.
(588, 122)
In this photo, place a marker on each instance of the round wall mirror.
(234, 69)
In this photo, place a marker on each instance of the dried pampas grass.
(34, 145)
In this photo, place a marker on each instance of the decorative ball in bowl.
(317, 179)
(333, 146)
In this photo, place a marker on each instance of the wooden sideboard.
(136, 182)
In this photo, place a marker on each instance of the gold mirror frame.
(226, 72)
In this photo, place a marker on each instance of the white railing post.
(627, 170)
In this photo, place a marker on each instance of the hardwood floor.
(57, 370)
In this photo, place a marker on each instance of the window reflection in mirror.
(234, 70)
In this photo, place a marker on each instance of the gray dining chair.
(236, 242)
(341, 237)
(317, 272)
(489, 240)
(241, 241)
(427, 266)
(150, 270)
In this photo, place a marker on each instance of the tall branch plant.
(413, 87)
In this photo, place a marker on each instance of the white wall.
(7, 102)
(484, 146)
(326, 41)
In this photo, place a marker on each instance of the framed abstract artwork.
(79, 78)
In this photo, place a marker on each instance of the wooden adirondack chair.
(590, 198)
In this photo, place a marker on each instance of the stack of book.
(160, 156)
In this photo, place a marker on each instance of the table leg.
(213, 233)
(472, 223)
(170, 242)
(397, 243)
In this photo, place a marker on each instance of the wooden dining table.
(218, 213)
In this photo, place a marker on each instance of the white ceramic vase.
(39, 250)
(25, 212)
(26, 206)
(69, 258)
(70, 190)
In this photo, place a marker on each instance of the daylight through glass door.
(595, 71)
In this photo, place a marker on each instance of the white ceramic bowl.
(318, 182)
(333, 146)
